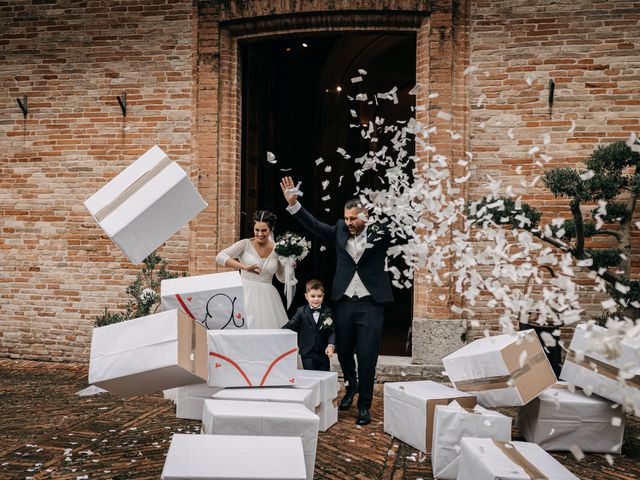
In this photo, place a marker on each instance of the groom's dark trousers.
(358, 320)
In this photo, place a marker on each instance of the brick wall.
(57, 268)
(179, 69)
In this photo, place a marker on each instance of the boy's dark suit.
(358, 321)
(312, 339)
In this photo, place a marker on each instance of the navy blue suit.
(312, 340)
(358, 321)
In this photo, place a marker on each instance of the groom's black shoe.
(363, 416)
(347, 400)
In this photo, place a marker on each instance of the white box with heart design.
(215, 300)
(252, 358)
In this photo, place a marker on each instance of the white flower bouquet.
(291, 248)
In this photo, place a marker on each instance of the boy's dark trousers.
(315, 361)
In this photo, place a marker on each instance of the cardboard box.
(559, 419)
(254, 358)
(313, 384)
(488, 459)
(502, 371)
(145, 204)
(327, 410)
(229, 417)
(409, 409)
(230, 457)
(303, 396)
(595, 372)
(148, 354)
(215, 300)
(190, 400)
(451, 423)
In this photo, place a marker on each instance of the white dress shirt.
(355, 247)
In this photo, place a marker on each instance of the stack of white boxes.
(327, 409)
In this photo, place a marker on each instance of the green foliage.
(503, 211)
(615, 212)
(604, 257)
(143, 292)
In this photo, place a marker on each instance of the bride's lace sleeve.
(233, 251)
(280, 271)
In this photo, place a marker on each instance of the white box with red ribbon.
(145, 204)
(252, 358)
(215, 300)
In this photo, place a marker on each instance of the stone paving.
(47, 432)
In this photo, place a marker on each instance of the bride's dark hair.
(265, 216)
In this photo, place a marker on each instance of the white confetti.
(616, 421)
(325, 184)
(362, 71)
(573, 126)
(510, 133)
(446, 116)
(326, 198)
(534, 150)
(469, 70)
(434, 95)
(271, 158)
(546, 138)
(322, 248)
(577, 452)
(319, 160)
(587, 175)
(327, 169)
(415, 90)
(356, 79)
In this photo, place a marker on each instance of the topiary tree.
(144, 292)
(610, 186)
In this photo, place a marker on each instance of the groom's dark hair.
(354, 203)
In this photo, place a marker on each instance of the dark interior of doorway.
(295, 96)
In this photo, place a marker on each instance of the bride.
(256, 259)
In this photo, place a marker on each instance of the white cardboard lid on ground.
(481, 459)
(148, 354)
(559, 419)
(145, 204)
(233, 417)
(503, 370)
(302, 396)
(234, 457)
(256, 358)
(409, 408)
(451, 423)
(215, 300)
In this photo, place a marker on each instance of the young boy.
(316, 332)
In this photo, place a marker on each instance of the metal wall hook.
(24, 106)
(122, 100)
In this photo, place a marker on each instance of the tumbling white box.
(254, 358)
(190, 400)
(229, 417)
(559, 419)
(451, 423)
(145, 204)
(502, 371)
(409, 409)
(327, 410)
(303, 396)
(595, 372)
(148, 354)
(234, 457)
(215, 300)
(488, 459)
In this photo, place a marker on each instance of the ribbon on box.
(501, 381)
(290, 279)
(602, 368)
(242, 372)
(516, 457)
(134, 187)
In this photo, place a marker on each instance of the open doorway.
(295, 93)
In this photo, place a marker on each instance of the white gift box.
(313, 384)
(327, 410)
(254, 358)
(190, 400)
(148, 354)
(489, 459)
(234, 457)
(215, 300)
(303, 396)
(409, 409)
(145, 204)
(502, 371)
(560, 419)
(451, 423)
(229, 417)
(595, 372)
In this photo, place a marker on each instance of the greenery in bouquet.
(143, 292)
(290, 245)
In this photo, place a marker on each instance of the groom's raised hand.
(287, 185)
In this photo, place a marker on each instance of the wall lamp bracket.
(122, 100)
(552, 88)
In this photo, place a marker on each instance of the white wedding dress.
(261, 299)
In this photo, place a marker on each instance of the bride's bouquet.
(291, 248)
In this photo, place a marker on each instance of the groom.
(360, 288)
